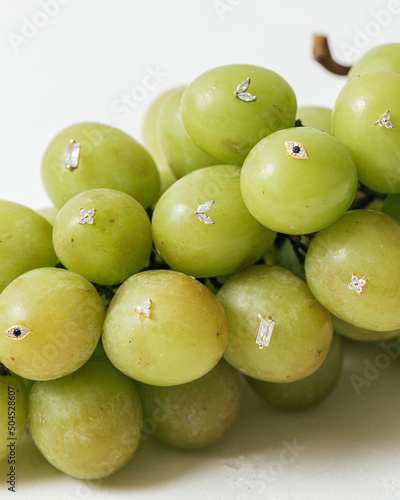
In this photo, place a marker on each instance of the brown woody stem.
(322, 54)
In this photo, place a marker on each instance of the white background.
(77, 66)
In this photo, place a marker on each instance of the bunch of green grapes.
(260, 250)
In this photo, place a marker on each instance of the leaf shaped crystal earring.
(241, 93)
(199, 213)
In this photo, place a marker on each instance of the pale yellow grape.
(87, 424)
(196, 414)
(315, 117)
(385, 57)
(306, 392)
(361, 334)
(183, 339)
(65, 315)
(49, 213)
(115, 246)
(108, 158)
(152, 142)
(366, 244)
(181, 152)
(236, 239)
(302, 334)
(227, 127)
(25, 242)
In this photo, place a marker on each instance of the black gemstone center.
(17, 332)
(296, 149)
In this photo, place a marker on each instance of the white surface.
(348, 449)
(77, 67)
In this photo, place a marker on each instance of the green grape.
(391, 206)
(196, 414)
(315, 117)
(376, 204)
(365, 244)
(49, 213)
(309, 391)
(182, 154)
(235, 240)
(87, 424)
(116, 245)
(302, 333)
(167, 177)
(13, 413)
(64, 314)
(298, 195)
(375, 149)
(183, 338)
(382, 58)
(285, 256)
(108, 158)
(225, 126)
(361, 334)
(25, 242)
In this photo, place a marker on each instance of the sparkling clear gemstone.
(138, 309)
(71, 156)
(82, 211)
(361, 282)
(90, 220)
(82, 220)
(244, 96)
(358, 289)
(204, 207)
(146, 312)
(205, 219)
(386, 116)
(388, 124)
(147, 304)
(90, 212)
(354, 279)
(351, 286)
(264, 332)
(381, 122)
(243, 86)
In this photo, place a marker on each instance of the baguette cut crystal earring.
(71, 157)
(264, 331)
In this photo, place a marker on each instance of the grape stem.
(322, 54)
(364, 196)
(299, 248)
